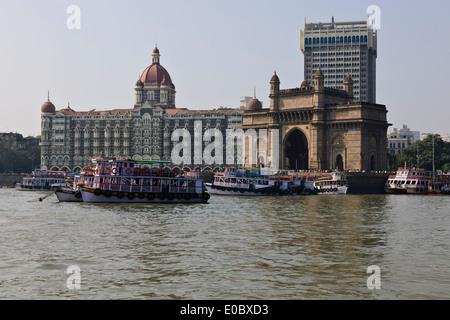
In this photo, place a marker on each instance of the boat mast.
(433, 151)
(417, 155)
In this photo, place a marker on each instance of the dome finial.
(155, 55)
(254, 92)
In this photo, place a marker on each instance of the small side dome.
(139, 83)
(348, 79)
(305, 85)
(318, 73)
(254, 105)
(47, 106)
(275, 78)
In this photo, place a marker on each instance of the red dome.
(254, 105)
(156, 50)
(155, 74)
(139, 83)
(48, 107)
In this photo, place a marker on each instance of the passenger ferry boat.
(439, 185)
(244, 182)
(408, 181)
(336, 183)
(40, 180)
(126, 181)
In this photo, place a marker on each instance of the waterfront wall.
(366, 182)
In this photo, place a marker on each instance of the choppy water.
(299, 247)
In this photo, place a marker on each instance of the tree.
(20, 161)
(420, 154)
(446, 167)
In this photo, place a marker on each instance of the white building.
(402, 138)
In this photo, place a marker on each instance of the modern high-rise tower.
(341, 48)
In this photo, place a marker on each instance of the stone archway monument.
(321, 128)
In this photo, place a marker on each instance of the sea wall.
(366, 182)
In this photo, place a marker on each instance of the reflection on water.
(299, 247)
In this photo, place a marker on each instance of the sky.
(214, 51)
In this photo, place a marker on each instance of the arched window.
(341, 40)
(365, 39)
(333, 40)
(345, 39)
(357, 39)
(353, 39)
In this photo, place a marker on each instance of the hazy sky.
(215, 52)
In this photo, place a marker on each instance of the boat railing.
(148, 188)
(232, 184)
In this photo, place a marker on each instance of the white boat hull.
(392, 190)
(335, 190)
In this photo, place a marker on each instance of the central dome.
(156, 73)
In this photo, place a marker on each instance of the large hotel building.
(341, 48)
(71, 138)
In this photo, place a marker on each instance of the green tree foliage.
(20, 161)
(446, 167)
(421, 153)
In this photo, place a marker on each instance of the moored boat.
(335, 183)
(130, 182)
(408, 181)
(243, 182)
(439, 184)
(40, 180)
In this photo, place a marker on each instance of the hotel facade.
(71, 138)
